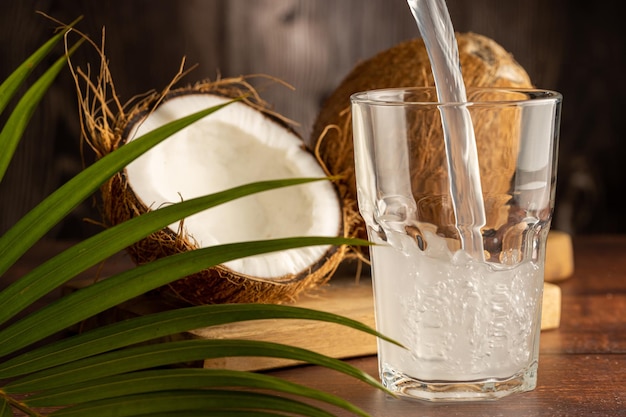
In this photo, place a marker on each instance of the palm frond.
(124, 369)
(91, 251)
(183, 400)
(112, 291)
(30, 228)
(5, 408)
(12, 83)
(17, 122)
(172, 353)
(145, 328)
(172, 379)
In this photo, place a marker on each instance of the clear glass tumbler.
(459, 217)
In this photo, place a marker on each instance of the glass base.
(476, 390)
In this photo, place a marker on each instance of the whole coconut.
(484, 63)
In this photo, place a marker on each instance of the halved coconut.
(236, 145)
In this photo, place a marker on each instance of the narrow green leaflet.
(17, 122)
(220, 413)
(5, 409)
(151, 327)
(73, 261)
(170, 353)
(108, 293)
(175, 401)
(173, 379)
(12, 83)
(36, 223)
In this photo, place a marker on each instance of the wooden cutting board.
(559, 256)
(344, 295)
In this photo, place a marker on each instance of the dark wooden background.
(312, 44)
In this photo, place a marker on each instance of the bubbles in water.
(461, 318)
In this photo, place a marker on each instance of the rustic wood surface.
(582, 364)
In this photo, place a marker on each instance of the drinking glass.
(457, 199)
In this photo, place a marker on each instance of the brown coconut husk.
(106, 121)
(428, 162)
(484, 63)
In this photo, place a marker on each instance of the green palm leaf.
(175, 401)
(145, 328)
(97, 373)
(177, 379)
(171, 353)
(220, 413)
(91, 251)
(110, 292)
(30, 228)
(5, 409)
(18, 120)
(10, 86)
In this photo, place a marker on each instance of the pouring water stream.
(435, 26)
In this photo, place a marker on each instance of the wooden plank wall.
(312, 44)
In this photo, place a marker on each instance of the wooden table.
(582, 364)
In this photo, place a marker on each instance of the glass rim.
(383, 96)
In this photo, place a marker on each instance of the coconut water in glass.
(469, 321)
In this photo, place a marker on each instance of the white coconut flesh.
(234, 146)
